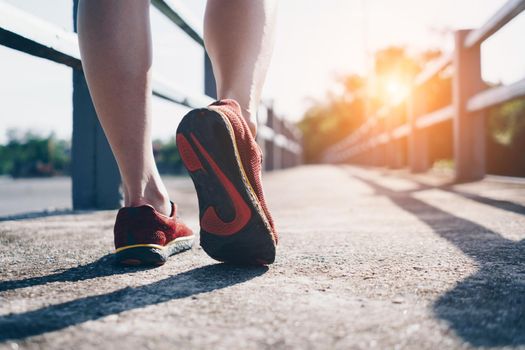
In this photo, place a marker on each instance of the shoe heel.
(141, 256)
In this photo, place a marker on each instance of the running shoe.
(224, 162)
(144, 236)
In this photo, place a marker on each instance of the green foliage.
(167, 157)
(326, 124)
(330, 121)
(506, 139)
(29, 155)
(507, 122)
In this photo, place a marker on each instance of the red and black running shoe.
(224, 162)
(144, 236)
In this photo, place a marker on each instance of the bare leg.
(239, 37)
(115, 43)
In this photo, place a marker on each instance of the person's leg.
(216, 144)
(115, 43)
(239, 37)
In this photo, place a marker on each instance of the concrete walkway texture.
(367, 259)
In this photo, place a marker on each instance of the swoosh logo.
(210, 221)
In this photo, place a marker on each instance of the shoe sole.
(208, 130)
(152, 254)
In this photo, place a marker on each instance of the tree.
(29, 154)
(328, 122)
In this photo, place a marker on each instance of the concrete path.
(33, 197)
(367, 259)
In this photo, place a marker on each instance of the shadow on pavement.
(488, 307)
(497, 203)
(56, 317)
(100, 268)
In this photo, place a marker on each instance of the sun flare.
(396, 90)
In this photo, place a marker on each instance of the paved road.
(367, 259)
(34, 196)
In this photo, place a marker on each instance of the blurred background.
(336, 64)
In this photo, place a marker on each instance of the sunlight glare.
(397, 91)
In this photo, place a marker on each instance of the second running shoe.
(144, 236)
(224, 162)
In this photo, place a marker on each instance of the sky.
(317, 42)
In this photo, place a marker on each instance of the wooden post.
(270, 144)
(94, 171)
(286, 154)
(468, 127)
(300, 156)
(378, 152)
(262, 117)
(395, 153)
(277, 150)
(418, 152)
(391, 147)
(210, 86)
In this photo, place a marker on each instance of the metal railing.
(95, 177)
(378, 141)
(280, 141)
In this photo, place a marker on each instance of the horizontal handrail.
(178, 14)
(401, 131)
(503, 16)
(496, 95)
(354, 144)
(424, 121)
(268, 134)
(435, 117)
(380, 139)
(355, 136)
(170, 92)
(362, 130)
(25, 32)
(90, 152)
(510, 10)
(339, 153)
(433, 68)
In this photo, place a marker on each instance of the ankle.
(154, 195)
(248, 109)
(161, 206)
(253, 128)
(250, 120)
